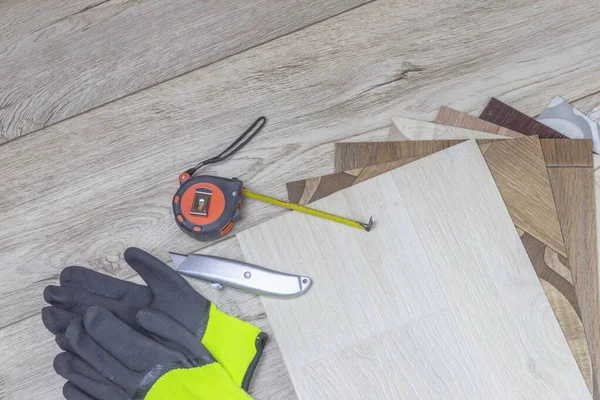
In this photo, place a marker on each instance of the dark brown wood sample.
(553, 268)
(504, 115)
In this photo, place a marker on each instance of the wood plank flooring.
(318, 85)
(423, 296)
(115, 48)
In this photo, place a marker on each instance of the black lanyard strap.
(234, 147)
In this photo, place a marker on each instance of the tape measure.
(206, 207)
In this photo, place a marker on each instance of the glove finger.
(96, 282)
(173, 335)
(84, 345)
(78, 301)
(57, 320)
(160, 278)
(85, 379)
(62, 342)
(134, 350)
(70, 392)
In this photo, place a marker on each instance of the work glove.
(109, 360)
(235, 344)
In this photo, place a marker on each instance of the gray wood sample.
(438, 301)
(506, 116)
(110, 49)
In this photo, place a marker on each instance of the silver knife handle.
(248, 277)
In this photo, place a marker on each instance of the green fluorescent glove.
(235, 344)
(109, 360)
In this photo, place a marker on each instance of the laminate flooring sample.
(572, 207)
(566, 119)
(438, 301)
(452, 117)
(580, 231)
(520, 173)
(563, 153)
(404, 128)
(504, 115)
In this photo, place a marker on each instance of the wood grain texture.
(432, 215)
(517, 167)
(452, 117)
(550, 267)
(502, 114)
(350, 156)
(560, 153)
(307, 190)
(110, 49)
(406, 128)
(39, 381)
(568, 153)
(20, 19)
(573, 189)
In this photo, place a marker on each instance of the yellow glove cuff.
(209, 382)
(235, 344)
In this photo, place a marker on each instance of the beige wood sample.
(443, 272)
(517, 166)
(406, 128)
(553, 270)
(575, 204)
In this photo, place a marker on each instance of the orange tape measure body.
(206, 207)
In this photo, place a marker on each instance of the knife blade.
(240, 275)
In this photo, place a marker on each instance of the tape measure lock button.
(201, 202)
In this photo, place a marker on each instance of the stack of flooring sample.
(519, 170)
(440, 300)
(574, 196)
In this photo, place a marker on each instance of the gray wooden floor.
(103, 103)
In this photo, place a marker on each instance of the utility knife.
(240, 275)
